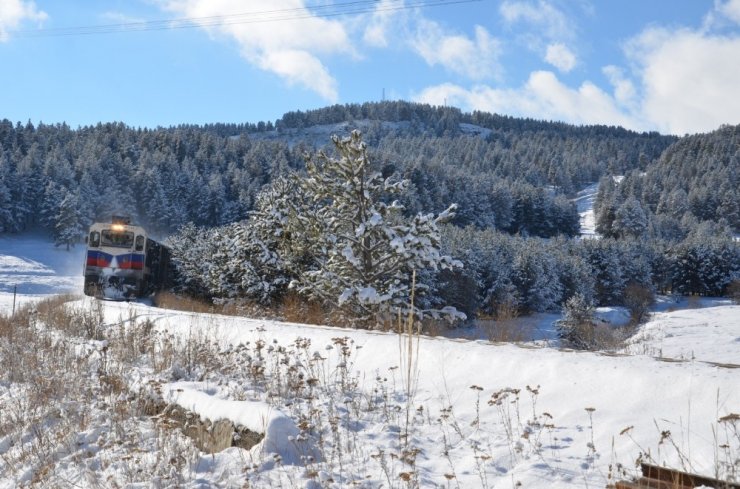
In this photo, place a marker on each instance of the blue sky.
(671, 66)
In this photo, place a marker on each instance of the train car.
(123, 262)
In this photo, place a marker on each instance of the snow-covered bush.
(638, 299)
(577, 325)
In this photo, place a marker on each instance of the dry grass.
(293, 308)
(733, 291)
(296, 309)
(168, 300)
(508, 331)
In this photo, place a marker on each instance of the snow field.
(493, 444)
(34, 267)
(711, 335)
(333, 401)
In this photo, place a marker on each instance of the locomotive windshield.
(119, 239)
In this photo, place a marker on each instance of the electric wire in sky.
(253, 17)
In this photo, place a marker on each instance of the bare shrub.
(52, 310)
(297, 309)
(638, 300)
(433, 327)
(512, 330)
(733, 291)
(168, 300)
(506, 310)
(6, 326)
(693, 302)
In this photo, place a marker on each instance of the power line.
(253, 17)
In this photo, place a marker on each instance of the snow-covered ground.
(32, 266)
(708, 334)
(480, 414)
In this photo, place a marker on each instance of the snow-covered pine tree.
(363, 248)
(285, 222)
(242, 265)
(577, 325)
(606, 267)
(630, 219)
(6, 217)
(69, 225)
(534, 274)
(52, 199)
(192, 249)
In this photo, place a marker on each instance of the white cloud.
(548, 20)
(689, 79)
(288, 48)
(624, 89)
(543, 96)
(120, 18)
(560, 57)
(730, 9)
(14, 12)
(473, 58)
(679, 81)
(380, 22)
(545, 29)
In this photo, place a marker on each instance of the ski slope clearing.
(585, 205)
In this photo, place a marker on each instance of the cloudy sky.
(666, 65)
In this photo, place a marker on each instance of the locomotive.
(123, 262)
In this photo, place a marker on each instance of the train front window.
(118, 239)
(94, 239)
(140, 243)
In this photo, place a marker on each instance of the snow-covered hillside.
(338, 412)
(320, 135)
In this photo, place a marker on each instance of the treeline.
(510, 178)
(694, 183)
(431, 118)
(513, 175)
(337, 236)
(162, 178)
(504, 274)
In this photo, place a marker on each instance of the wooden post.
(15, 289)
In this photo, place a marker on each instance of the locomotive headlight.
(117, 227)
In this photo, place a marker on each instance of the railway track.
(655, 477)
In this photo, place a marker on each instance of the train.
(123, 262)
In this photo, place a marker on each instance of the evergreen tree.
(577, 325)
(69, 227)
(53, 196)
(6, 216)
(365, 249)
(604, 257)
(192, 249)
(534, 274)
(630, 219)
